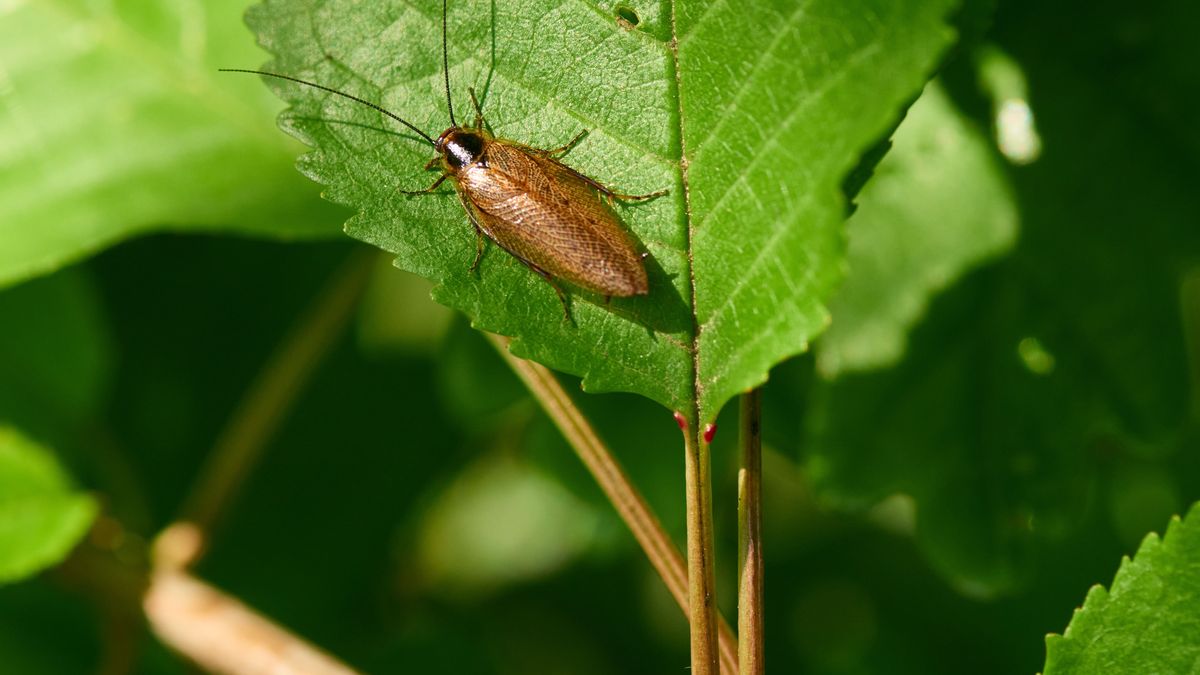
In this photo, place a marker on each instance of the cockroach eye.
(627, 17)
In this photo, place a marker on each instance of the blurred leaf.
(475, 385)
(461, 549)
(1110, 223)
(396, 315)
(1148, 621)
(980, 461)
(755, 243)
(114, 121)
(1140, 497)
(41, 516)
(939, 204)
(1029, 381)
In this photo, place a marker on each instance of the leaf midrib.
(750, 79)
(689, 222)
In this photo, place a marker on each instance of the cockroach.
(550, 217)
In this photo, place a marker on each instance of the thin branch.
(210, 628)
(750, 560)
(702, 594)
(221, 635)
(273, 393)
(214, 630)
(630, 505)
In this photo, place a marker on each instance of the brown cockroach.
(552, 218)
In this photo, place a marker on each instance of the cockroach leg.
(634, 198)
(604, 189)
(564, 149)
(479, 244)
(479, 235)
(479, 121)
(433, 162)
(429, 189)
(562, 295)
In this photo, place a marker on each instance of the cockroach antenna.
(553, 219)
(343, 94)
(446, 66)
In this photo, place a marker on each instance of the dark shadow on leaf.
(663, 310)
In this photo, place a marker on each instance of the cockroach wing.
(552, 218)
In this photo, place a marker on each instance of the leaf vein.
(750, 79)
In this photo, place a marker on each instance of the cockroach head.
(461, 147)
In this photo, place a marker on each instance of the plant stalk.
(702, 594)
(664, 556)
(750, 560)
(215, 630)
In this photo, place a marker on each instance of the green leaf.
(41, 516)
(1148, 621)
(774, 127)
(939, 204)
(767, 107)
(114, 122)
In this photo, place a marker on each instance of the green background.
(1004, 404)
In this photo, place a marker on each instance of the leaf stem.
(273, 393)
(630, 505)
(702, 595)
(750, 561)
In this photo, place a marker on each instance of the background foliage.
(1004, 404)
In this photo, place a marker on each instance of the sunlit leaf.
(751, 115)
(114, 122)
(1147, 620)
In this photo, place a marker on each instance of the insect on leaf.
(749, 115)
